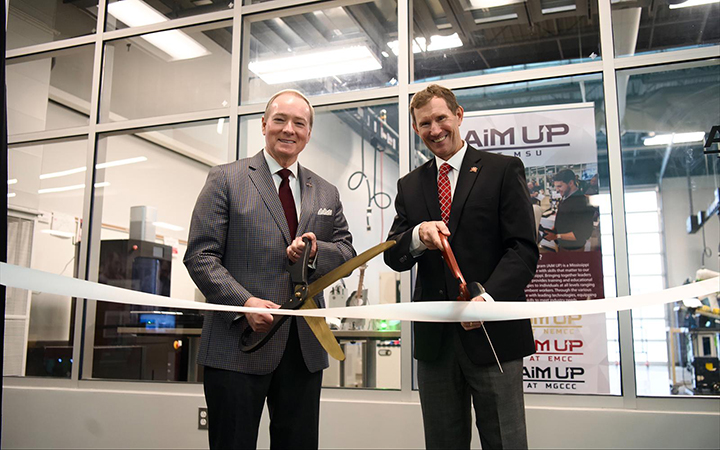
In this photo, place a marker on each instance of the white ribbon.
(36, 280)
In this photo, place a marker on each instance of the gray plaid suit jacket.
(236, 250)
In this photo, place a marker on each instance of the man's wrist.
(417, 246)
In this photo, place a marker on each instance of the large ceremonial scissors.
(303, 298)
(467, 291)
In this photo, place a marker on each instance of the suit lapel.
(262, 179)
(469, 171)
(307, 199)
(428, 180)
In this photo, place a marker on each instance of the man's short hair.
(297, 94)
(566, 176)
(423, 97)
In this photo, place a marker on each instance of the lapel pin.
(473, 169)
(308, 184)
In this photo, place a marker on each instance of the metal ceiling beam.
(423, 19)
(306, 30)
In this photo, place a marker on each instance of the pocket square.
(324, 212)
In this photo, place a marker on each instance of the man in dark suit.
(480, 201)
(244, 230)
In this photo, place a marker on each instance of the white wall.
(102, 417)
(684, 250)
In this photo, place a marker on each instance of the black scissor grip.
(298, 275)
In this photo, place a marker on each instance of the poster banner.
(558, 147)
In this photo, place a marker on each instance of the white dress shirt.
(293, 180)
(417, 247)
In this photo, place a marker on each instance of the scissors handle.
(298, 274)
(449, 258)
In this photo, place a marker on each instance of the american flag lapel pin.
(308, 184)
(473, 169)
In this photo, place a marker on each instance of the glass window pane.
(642, 222)
(647, 243)
(641, 201)
(646, 265)
(135, 13)
(356, 149)
(643, 284)
(606, 224)
(323, 51)
(667, 112)
(472, 37)
(32, 22)
(49, 91)
(169, 72)
(642, 27)
(46, 185)
(151, 182)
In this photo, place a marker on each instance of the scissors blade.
(322, 332)
(318, 325)
(346, 268)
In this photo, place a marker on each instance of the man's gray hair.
(296, 93)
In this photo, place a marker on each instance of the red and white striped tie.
(444, 192)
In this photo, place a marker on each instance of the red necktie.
(444, 192)
(288, 203)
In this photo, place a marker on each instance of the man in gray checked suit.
(244, 230)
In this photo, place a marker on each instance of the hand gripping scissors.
(467, 291)
(303, 299)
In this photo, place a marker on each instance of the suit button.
(403, 259)
(441, 292)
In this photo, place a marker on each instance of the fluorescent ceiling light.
(675, 138)
(121, 162)
(62, 173)
(314, 65)
(484, 4)
(497, 18)
(70, 188)
(105, 165)
(395, 46)
(558, 9)
(168, 226)
(58, 233)
(135, 13)
(437, 42)
(11, 195)
(690, 3)
(444, 42)
(12, 181)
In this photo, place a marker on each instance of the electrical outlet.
(202, 419)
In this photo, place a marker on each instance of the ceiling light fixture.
(121, 162)
(168, 226)
(690, 3)
(12, 181)
(675, 138)
(136, 13)
(105, 165)
(321, 64)
(62, 173)
(58, 233)
(485, 4)
(437, 42)
(70, 188)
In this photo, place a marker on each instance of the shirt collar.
(456, 160)
(275, 167)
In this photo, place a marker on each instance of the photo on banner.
(558, 148)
